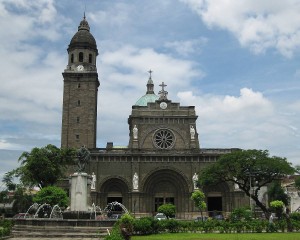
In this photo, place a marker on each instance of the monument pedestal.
(80, 191)
(135, 143)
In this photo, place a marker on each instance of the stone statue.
(93, 183)
(135, 132)
(195, 180)
(83, 157)
(135, 181)
(192, 132)
(236, 186)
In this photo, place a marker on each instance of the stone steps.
(59, 231)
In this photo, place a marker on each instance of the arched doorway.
(165, 186)
(114, 189)
(218, 199)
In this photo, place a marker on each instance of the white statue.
(195, 180)
(192, 132)
(135, 181)
(135, 132)
(236, 186)
(93, 183)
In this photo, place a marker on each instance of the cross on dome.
(150, 72)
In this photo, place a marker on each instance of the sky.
(237, 62)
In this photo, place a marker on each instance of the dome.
(147, 98)
(83, 38)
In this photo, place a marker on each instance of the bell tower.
(79, 116)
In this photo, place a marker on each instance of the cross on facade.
(163, 94)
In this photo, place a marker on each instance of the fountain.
(112, 210)
(34, 208)
(56, 213)
(43, 211)
(81, 215)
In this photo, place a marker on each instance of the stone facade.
(163, 153)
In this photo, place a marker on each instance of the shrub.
(172, 226)
(5, 227)
(143, 226)
(115, 233)
(239, 214)
(53, 196)
(126, 225)
(277, 206)
(168, 209)
(295, 215)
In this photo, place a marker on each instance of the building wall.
(160, 177)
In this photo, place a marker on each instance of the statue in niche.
(192, 132)
(195, 180)
(83, 157)
(93, 183)
(135, 181)
(135, 132)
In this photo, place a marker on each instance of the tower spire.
(150, 85)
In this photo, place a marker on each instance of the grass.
(216, 236)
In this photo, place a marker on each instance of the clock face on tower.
(80, 68)
(163, 105)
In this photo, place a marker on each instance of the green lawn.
(216, 236)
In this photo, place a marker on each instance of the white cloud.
(185, 48)
(259, 25)
(125, 70)
(246, 121)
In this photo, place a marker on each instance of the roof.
(83, 38)
(147, 98)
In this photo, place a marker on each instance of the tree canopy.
(249, 170)
(276, 192)
(198, 197)
(168, 209)
(42, 166)
(52, 195)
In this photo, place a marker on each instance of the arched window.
(78, 103)
(90, 58)
(72, 58)
(81, 57)
(78, 119)
(78, 85)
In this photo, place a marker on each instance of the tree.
(168, 209)
(249, 170)
(43, 166)
(277, 206)
(22, 200)
(297, 183)
(53, 196)
(276, 192)
(198, 197)
(8, 181)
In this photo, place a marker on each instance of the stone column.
(80, 191)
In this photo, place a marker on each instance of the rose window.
(164, 139)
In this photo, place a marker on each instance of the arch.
(72, 58)
(218, 199)
(114, 188)
(90, 58)
(165, 185)
(171, 169)
(80, 57)
(118, 179)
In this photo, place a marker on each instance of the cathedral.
(163, 158)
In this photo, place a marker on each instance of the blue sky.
(236, 61)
